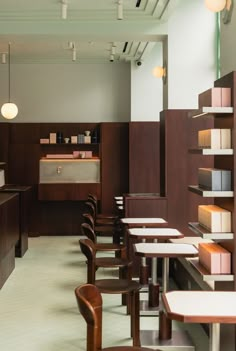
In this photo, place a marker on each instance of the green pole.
(218, 63)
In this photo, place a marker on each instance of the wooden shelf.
(209, 111)
(206, 276)
(207, 193)
(71, 144)
(205, 234)
(212, 151)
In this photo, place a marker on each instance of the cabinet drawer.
(67, 192)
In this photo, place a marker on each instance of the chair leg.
(134, 318)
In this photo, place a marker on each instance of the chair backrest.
(88, 219)
(88, 231)
(89, 301)
(91, 209)
(88, 249)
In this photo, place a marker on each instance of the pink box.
(44, 141)
(88, 154)
(226, 97)
(211, 97)
(59, 156)
(215, 258)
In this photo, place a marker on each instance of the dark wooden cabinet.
(9, 233)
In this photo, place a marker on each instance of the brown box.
(214, 258)
(211, 97)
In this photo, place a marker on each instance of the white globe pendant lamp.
(215, 5)
(9, 110)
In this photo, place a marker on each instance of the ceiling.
(39, 34)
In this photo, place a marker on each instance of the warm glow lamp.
(9, 110)
(160, 72)
(215, 5)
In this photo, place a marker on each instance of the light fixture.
(113, 50)
(9, 110)
(160, 72)
(4, 57)
(64, 7)
(120, 15)
(224, 6)
(74, 54)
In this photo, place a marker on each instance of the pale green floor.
(38, 310)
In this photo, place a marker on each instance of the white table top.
(120, 207)
(155, 232)
(142, 220)
(119, 202)
(201, 306)
(165, 250)
(118, 197)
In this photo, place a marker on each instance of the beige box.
(87, 139)
(214, 218)
(214, 258)
(74, 139)
(225, 138)
(44, 141)
(53, 138)
(209, 138)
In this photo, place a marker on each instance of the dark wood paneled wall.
(144, 157)
(179, 166)
(20, 148)
(115, 163)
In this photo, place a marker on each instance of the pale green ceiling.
(39, 34)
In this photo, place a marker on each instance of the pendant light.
(9, 110)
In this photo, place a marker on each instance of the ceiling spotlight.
(4, 57)
(74, 54)
(64, 7)
(113, 50)
(71, 45)
(112, 57)
(120, 10)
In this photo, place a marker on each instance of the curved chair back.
(87, 231)
(91, 209)
(88, 219)
(89, 301)
(88, 249)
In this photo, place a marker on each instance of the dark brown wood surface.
(9, 233)
(144, 162)
(115, 163)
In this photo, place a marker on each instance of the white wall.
(146, 93)
(68, 93)
(228, 45)
(191, 53)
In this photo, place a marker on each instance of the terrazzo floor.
(38, 310)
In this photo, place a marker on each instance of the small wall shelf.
(213, 152)
(207, 193)
(209, 111)
(205, 234)
(206, 276)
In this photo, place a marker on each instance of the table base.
(180, 341)
(146, 310)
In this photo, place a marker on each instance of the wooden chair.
(88, 248)
(89, 301)
(87, 231)
(92, 198)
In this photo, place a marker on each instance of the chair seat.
(111, 262)
(127, 348)
(117, 286)
(109, 247)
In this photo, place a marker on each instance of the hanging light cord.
(9, 72)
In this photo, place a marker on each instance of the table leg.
(143, 269)
(215, 337)
(135, 327)
(153, 289)
(165, 324)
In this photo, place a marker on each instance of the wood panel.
(67, 192)
(148, 206)
(179, 166)
(115, 169)
(9, 233)
(144, 157)
(4, 142)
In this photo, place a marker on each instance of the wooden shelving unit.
(210, 111)
(207, 193)
(206, 234)
(223, 117)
